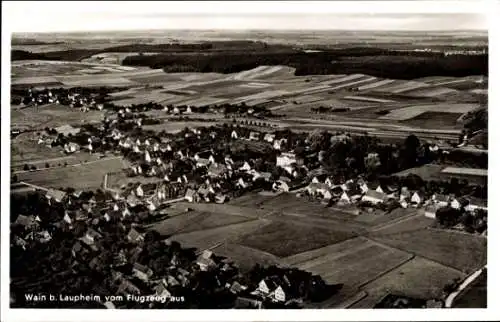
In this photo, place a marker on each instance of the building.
(55, 195)
(142, 272)
(216, 170)
(254, 136)
(417, 198)
(476, 204)
(234, 135)
(71, 147)
(430, 211)
(374, 197)
(321, 189)
(440, 200)
(67, 130)
(286, 160)
(269, 137)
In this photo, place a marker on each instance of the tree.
(47, 165)
(14, 178)
(33, 168)
(26, 167)
(372, 162)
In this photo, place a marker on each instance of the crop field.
(105, 81)
(430, 92)
(245, 257)
(196, 221)
(85, 176)
(144, 97)
(459, 251)
(285, 239)
(410, 112)
(376, 84)
(406, 223)
(418, 278)
(368, 99)
(305, 257)
(374, 219)
(434, 120)
(26, 151)
(342, 79)
(356, 266)
(211, 237)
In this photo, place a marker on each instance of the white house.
(269, 137)
(374, 197)
(456, 204)
(440, 200)
(379, 189)
(245, 167)
(234, 135)
(285, 159)
(147, 157)
(71, 147)
(278, 295)
(344, 198)
(430, 211)
(139, 192)
(417, 198)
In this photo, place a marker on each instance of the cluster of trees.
(448, 217)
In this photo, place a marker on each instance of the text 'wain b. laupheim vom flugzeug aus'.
(98, 298)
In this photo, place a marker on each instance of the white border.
(12, 11)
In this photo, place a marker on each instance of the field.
(414, 111)
(211, 237)
(196, 221)
(419, 278)
(83, 176)
(356, 266)
(433, 119)
(459, 251)
(245, 257)
(284, 239)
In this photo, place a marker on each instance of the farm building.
(286, 159)
(56, 195)
(430, 211)
(67, 129)
(475, 204)
(440, 200)
(374, 197)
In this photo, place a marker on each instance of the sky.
(336, 15)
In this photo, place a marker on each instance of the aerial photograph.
(329, 161)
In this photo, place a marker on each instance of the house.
(379, 189)
(71, 147)
(139, 192)
(277, 144)
(245, 167)
(247, 303)
(456, 203)
(278, 295)
(374, 197)
(269, 137)
(142, 272)
(440, 200)
(202, 162)
(254, 136)
(56, 195)
(67, 130)
(26, 221)
(205, 261)
(321, 189)
(216, 170)
(476, 204)
(405, 194)
(417, 198)
(282, 184)
(320, 178)
(134, 236)
(363, 186)
(161, 290)
(345, 198)
(236, 288)
(286, 159)
(430, 211)
(241, 183)
(221, 198)
(191, 196)
(404, 203)
(234, 135)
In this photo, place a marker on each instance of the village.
(218, 164)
